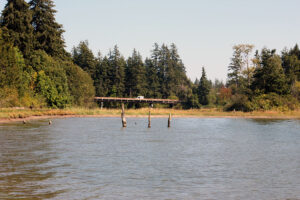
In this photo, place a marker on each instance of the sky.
(204, 31)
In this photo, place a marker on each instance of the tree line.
(37, 71)
(265, 80)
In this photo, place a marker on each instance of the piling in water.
(124, 123)
(149, 120)
(169, 120)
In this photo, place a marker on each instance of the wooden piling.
(149, 120)
(169, 121)
(124, 123)
(101, 105)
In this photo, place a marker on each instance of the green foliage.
(84, 58)
(273, 100)
(35, 70)
(270, 77)
(166, 73)
(51, 80)
(47, 32)
(296, 90)
(153, 86)
(135, 76)
(16, 21)
(80, 85)
(8, 97)
(117, 72)
(291, 64)
(14, 77)
(203, 89)
(235, 67)
(192, 102)
(102, 77)
(241, 69)
(239, 102)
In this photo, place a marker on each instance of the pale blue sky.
(203, 30)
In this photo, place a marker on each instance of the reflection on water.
(25, 155)
(195, 159)
(269, 121)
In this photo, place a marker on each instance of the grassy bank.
(10, 113)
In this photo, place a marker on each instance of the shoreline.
(35, 118)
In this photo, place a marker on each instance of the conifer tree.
(47, 32)
(153, 88)
(235, 68)
(270, 77)
(16, 20)
(84, 58)
(135, 76)
(180, 83)
(102, 77)
(164, 71)
(153, 73)
(117, 73)
(203, 89)
(291, 64)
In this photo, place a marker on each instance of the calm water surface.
(89, 158)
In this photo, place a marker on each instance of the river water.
(93, 158)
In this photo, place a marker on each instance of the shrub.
(239, 103)
(272, 100)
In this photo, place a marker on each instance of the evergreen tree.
(203, 89)
(47, 32)
(196, 82)
(235, 68)
(171, 74)
(135, 76)
(270, 77)
(180, 84)
(102, 77)
(11, 66)
(153, 86)
(16, 20)
(117, 73)
(163, 68)
(291, 64)
(153, 73)
(84, 58)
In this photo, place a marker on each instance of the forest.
(36, 71)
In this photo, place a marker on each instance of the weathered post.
(149, 119)
(101, 105)
(169, 120)
(124, 123)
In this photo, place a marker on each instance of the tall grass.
(10, 113)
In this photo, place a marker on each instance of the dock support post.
(101, 105)
(149, 119)
(124, 123)
(169, 121)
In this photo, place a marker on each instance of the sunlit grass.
(10, 113)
